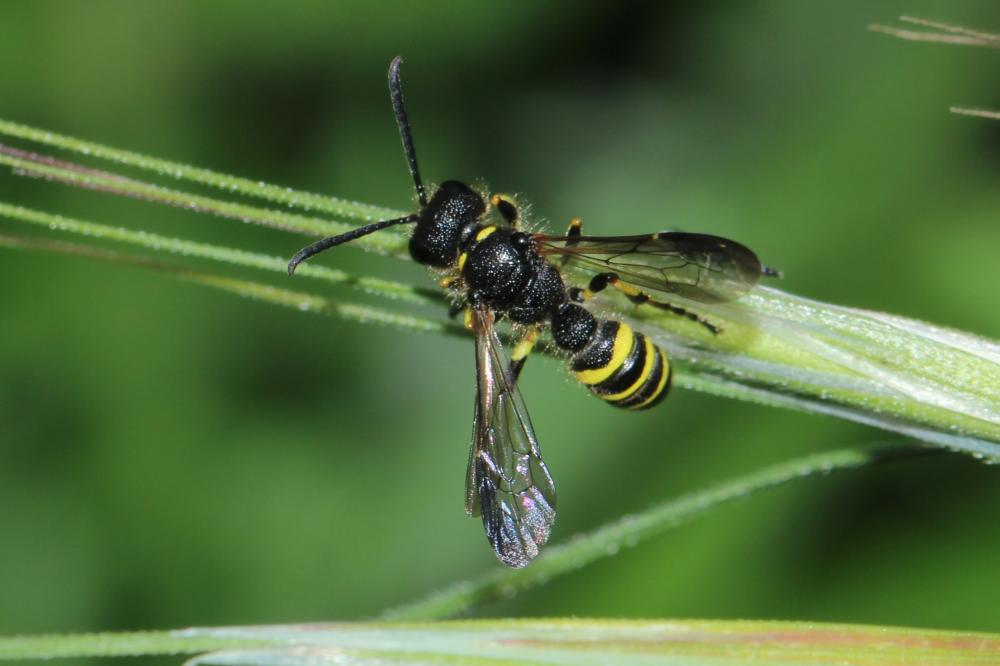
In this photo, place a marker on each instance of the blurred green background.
(174, 456)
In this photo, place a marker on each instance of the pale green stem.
(575, 641)
(947, 27)
(977, 113)
(297, 300)
(631, 530)
(68, 173)
(935, 384)
(159, 243)
(948, 34)
(282, 195)
(558, 559)
(131, 644)
(928, 382)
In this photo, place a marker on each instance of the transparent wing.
(507, 483)
(702, 268)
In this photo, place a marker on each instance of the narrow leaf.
(934, 384)
(555, 641)
(218, 253)
(68, 173)
(233, 184)
(298, 300)
(608, 540)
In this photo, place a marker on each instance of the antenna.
(333, 241)
(399, 108)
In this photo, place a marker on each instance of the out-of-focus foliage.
(172, 456)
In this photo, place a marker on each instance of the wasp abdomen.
(623, 367)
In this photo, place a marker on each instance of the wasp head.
(453, 208)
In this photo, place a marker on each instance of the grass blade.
(939, 385)
(977, 113)
(946, 33)
(233, 184)
(288, 298)
(69, 173)
(217, 253)
(555, 641)
(631, 530)
(935, 384)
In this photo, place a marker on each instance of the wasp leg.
(573, 233)
(520, 353)
(450, 283)
(602, 281)
(507, 208)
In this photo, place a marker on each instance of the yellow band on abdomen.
(624, 339)
(649, 362)
(664, 377)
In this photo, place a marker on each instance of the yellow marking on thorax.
(622, 346)
(659, 387)
(483, 233)
(647, 370)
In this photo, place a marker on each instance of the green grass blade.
(942, 33)
(903, 375)
(938, 385)
(68, 173)
(977, 113)
(288, 298)
(166, 244)
(945, 34)
(631, 530)
(552, 641)
(131, 644)
(233, 184)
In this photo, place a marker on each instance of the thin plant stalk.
(931, 383)
(555, 642)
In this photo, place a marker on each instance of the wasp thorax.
(497, 268)
(454, 207)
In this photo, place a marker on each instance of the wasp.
(497, 271)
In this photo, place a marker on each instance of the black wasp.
(498, 271)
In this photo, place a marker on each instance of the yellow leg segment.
(521, 352)
(639, 297)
